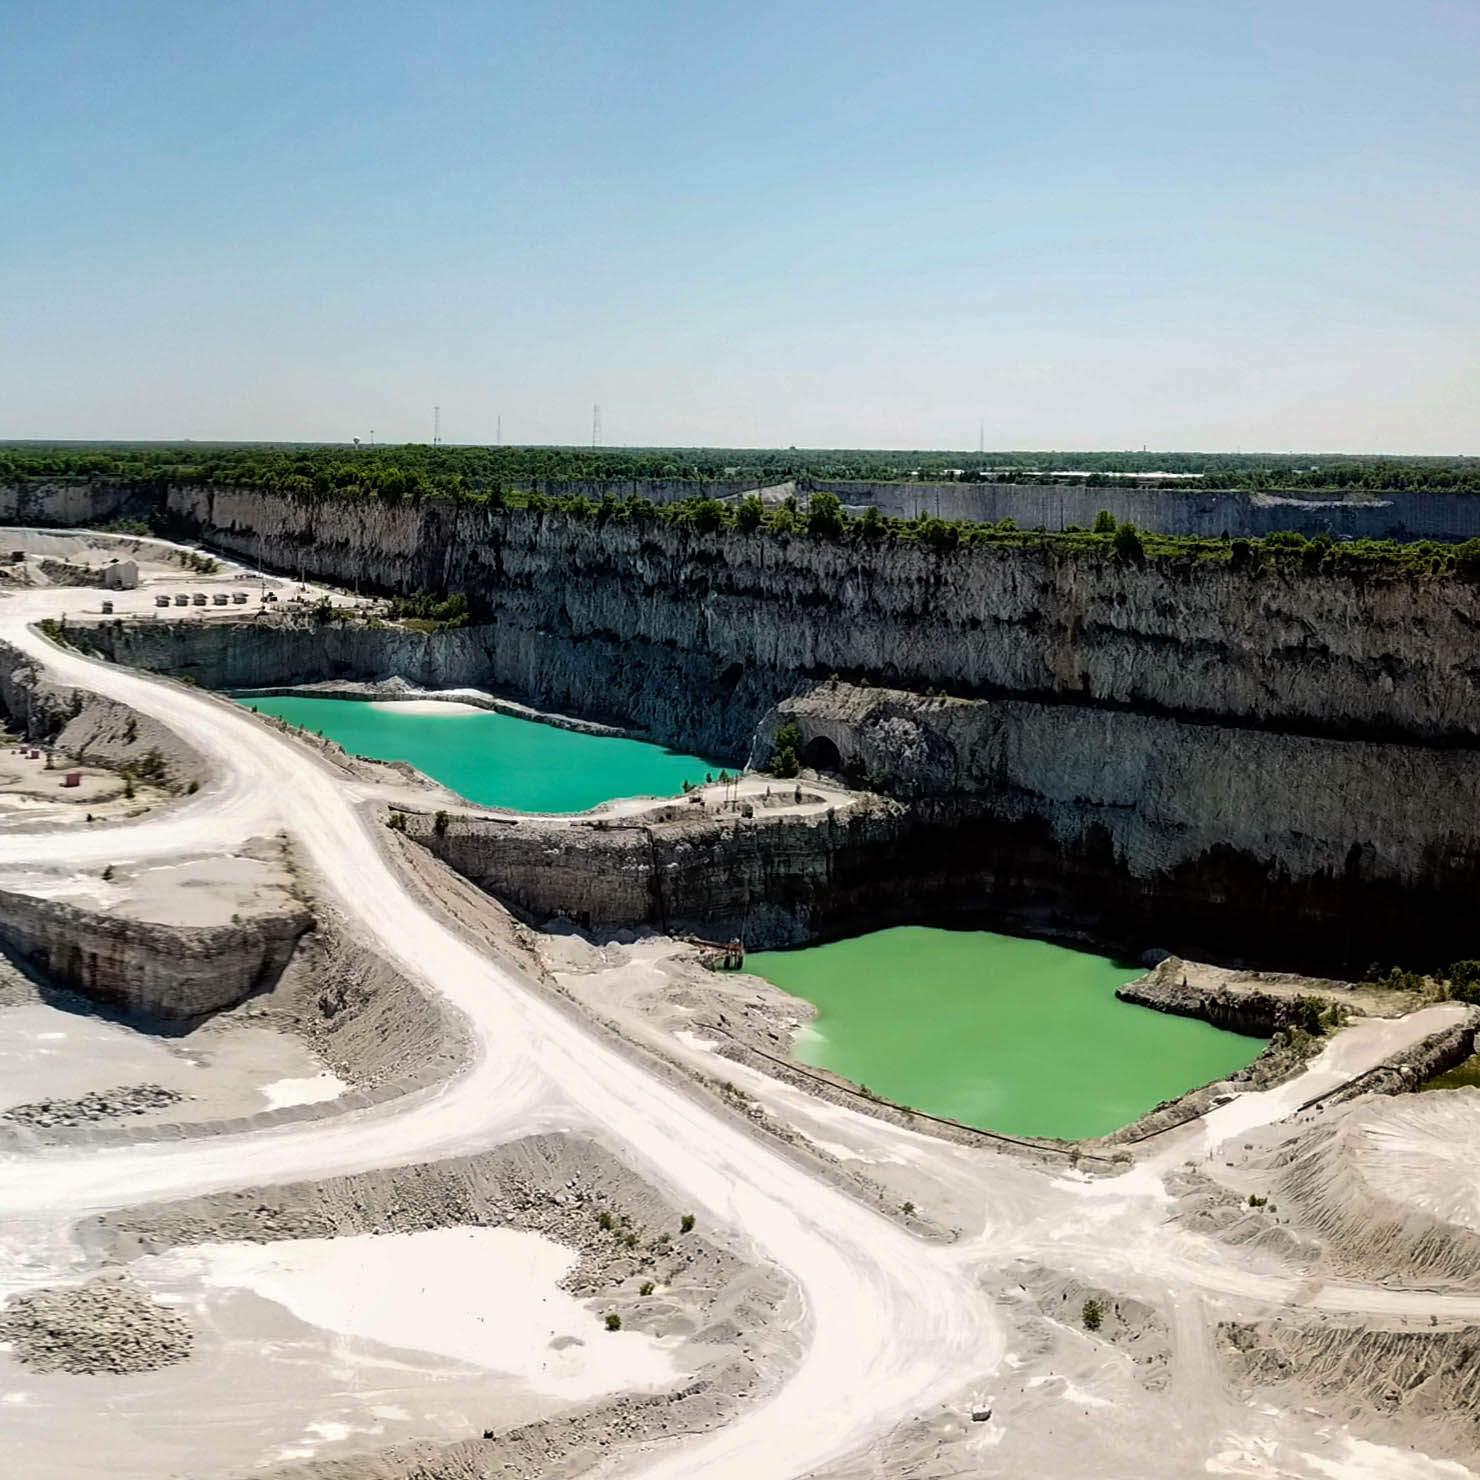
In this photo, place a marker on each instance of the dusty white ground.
(49, 1052)
(902, 1336)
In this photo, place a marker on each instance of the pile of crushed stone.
(96, 1105)
(107, 1325)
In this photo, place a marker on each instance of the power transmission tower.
(498, 436)
(436, 426)
(981, 435)
(596, 426)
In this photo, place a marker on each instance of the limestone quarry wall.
(73, 501)
(772, 880)
(1193, 510)
(1344, 852)
(163, 971)
(261, 654)
(694, 636)
(1131, 830)
(1171, 752)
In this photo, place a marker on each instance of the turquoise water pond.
(496, 760)
(997, 1031)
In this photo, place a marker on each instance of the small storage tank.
(239, 597)
(181, 599)
(72, 778)
(219, 598)
(161, 601)
(199, 599)
(107, 608)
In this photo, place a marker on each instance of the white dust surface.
(489, 1297)
(431, 707)
(1418, 1150)
(313, 1090)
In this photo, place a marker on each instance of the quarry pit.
(249, 1021)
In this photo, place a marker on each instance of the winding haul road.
(893, 1325)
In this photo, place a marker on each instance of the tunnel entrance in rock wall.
(820, 754)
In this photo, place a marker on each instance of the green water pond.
(496, 760)
(1000, 1032)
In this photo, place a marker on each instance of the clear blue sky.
(1090, 223)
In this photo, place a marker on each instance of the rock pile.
(108, 1104)
(107, 1325)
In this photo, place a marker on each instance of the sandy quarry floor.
(199, 889)
(827, 1331)
(50, 1054)
(33, 794)
(311, 1347)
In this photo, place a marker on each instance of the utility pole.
(498, 436)
(436, 426)
(596, 426)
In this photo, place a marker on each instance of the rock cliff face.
(1279, 766)
(88, 726)
(72, 501)
(770, 881)
(694, 636)
(162, 971)
(1143, 829)
(260, 653)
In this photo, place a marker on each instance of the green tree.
(825, 516)
(1104, 522)
(786, 752)
(1092, 1313)
(749, 515)
(1127, 543)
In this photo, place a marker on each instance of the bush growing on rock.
(1092, 1313)
(613, 1321)
(686, 1223)
(825, 516)
(1127, 543)
(785, 755)
(1104, 522)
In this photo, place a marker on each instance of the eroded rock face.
(694, 635)
(1170, 750)
(165, 971)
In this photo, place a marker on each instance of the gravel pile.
(96, 1105)
(107, 1325)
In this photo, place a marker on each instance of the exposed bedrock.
(693, 636)
(162, 971)
(1169, 752)
(90, 727)
(1132, 829)
(1138, 827)
(774, 881)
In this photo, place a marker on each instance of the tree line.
(420, 471)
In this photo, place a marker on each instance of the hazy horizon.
(715, 447)
(1078, 225)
